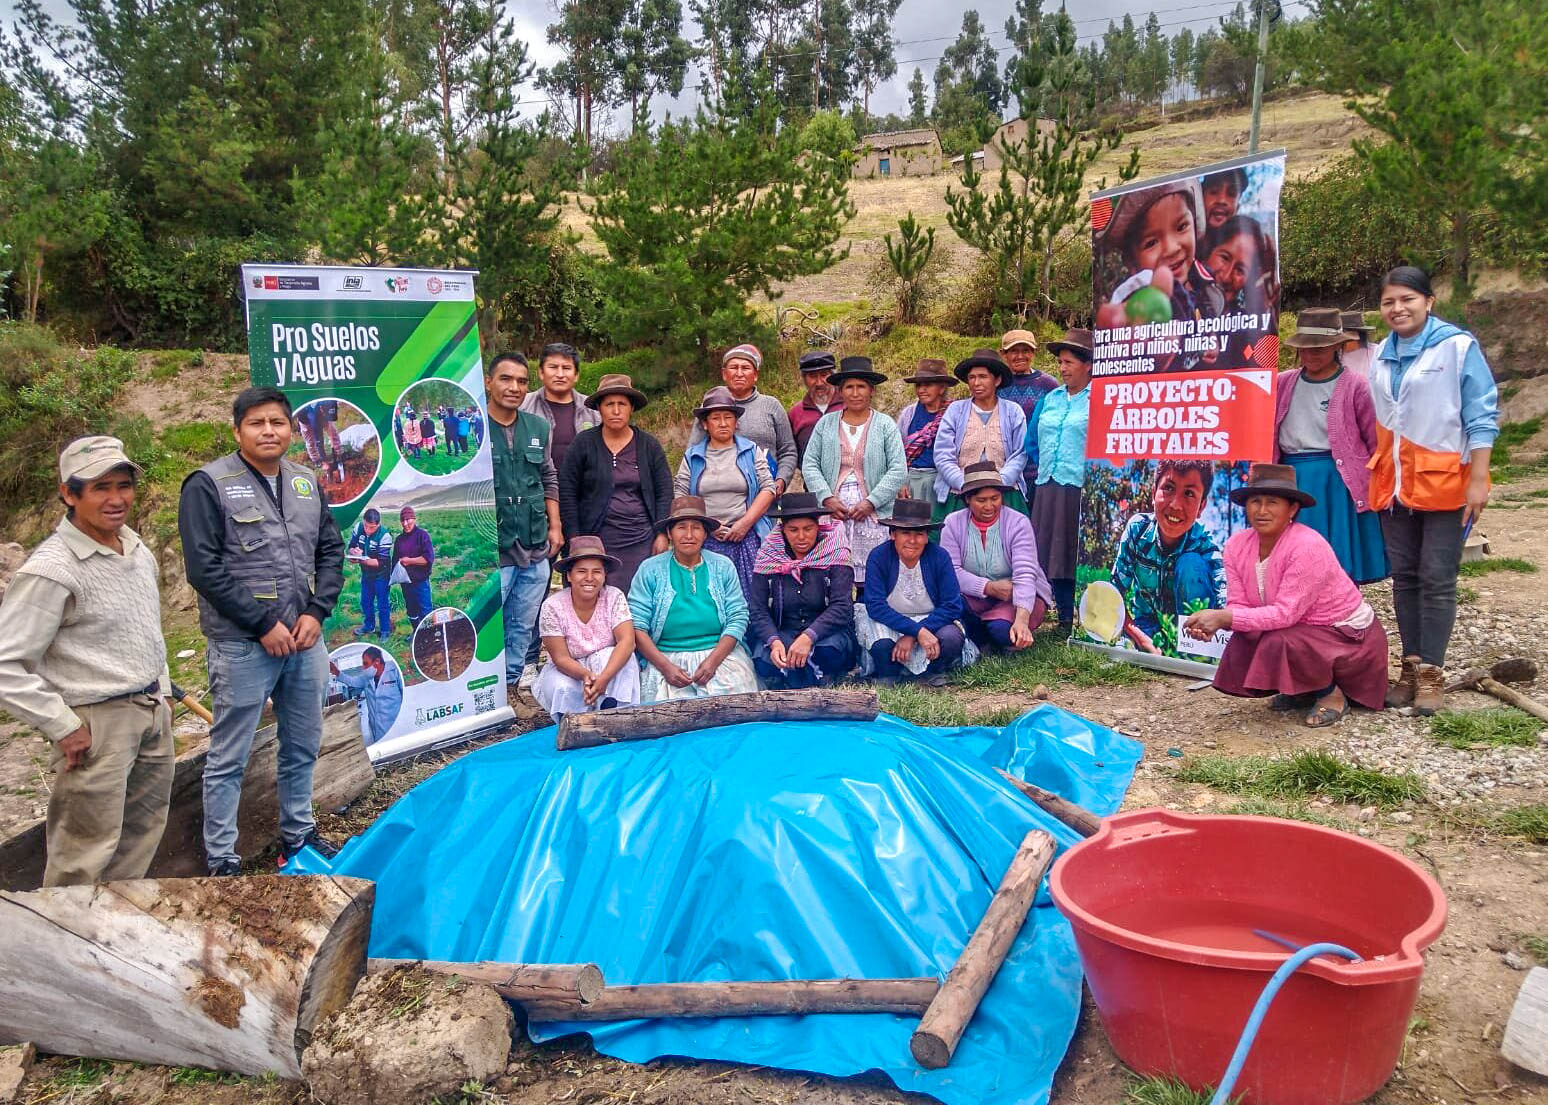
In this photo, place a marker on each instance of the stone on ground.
(406, 1037)
(15, 1062)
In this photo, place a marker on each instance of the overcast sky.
(923, 30)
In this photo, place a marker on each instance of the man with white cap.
(83, 661)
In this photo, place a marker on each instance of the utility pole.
(1257, 75)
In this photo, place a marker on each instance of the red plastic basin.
(1164, 906)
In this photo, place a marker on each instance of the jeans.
(1425, 551)
(242, 677)
(416, 600)
(376, 604)
(523, 589)
(833, 656)
(951, 650)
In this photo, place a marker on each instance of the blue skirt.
(1356, 538)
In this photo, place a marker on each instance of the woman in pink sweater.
(1300, 629)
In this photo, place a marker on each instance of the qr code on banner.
(483, 701)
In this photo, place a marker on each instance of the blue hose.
(1266, 999)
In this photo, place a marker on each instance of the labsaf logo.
(426, 714)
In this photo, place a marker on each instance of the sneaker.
(225, 869)
(1402, 692)
(529, 676)
(361, 631)
(1430, 691)
(312, 840)
(384, 635)
(934, 679)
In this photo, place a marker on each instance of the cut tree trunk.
(342, 774)
(906, 996)
(1082, 820)
(664, 719)
(231, 974)
(942, 1026)
(575, 983)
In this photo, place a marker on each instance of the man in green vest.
(526, 503)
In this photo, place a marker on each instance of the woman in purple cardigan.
(994, 552)
(1325, 428)
(1300, 629)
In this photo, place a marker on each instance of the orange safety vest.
(1421, 455)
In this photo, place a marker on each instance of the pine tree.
(918, 107)
(698, 216)
(908, 258)
(1042, 186)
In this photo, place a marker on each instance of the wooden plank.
(231, 974)
(1526, 1033)
(664, 719)
(907, 996)
(941, 1028)
(579, 983)
(342, 774)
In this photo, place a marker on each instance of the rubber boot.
(1431, 689)
(1402, 692)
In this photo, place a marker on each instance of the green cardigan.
(886, 464)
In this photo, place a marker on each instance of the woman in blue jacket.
(734, 477)
(911, 624)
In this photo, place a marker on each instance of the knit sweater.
(881, 576)
(886, 464)
(949, 466)
(765, 422)
(1351, 428)
(1303, 583)
(1028, 583)
(80, 624)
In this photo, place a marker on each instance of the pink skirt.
(1307, 659)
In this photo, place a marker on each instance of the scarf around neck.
(774, 557)
(924, 438)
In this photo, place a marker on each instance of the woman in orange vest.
(1437, 415)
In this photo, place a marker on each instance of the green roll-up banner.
(383, 369)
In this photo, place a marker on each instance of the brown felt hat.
(717, 399)
(911, 514)
(979, 476)
(1077, 342)
(1013, 338)
(1355, 320)
(984, 358)
(1272, 479)
(1318, 328)
(585, 547)
(688, 508)
(931, 370)
(616, 384)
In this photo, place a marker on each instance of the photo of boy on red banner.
(1185, 277)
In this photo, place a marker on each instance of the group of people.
(385, 559)
(462, 430)
(911, 547)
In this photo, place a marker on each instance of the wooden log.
(342, 774)
(941, 1028)
(579, 983)
(906, 996)
(231, 974)
(663, 719)
(1079, 818)
(1526, 1033)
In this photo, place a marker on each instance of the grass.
(1048, 662)
(1165, 1091)
(1528, 822)
(1466, 596)
(1306, 774)
(1536, 946)
(1467, 728)
(1497, 564)
(201, 1076)
(78, 1073)
(1288, 811)
(929, 706)
(1513, 435)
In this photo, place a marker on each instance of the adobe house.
(1013, 131)
(898, 153)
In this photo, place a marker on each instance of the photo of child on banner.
(1186, 349)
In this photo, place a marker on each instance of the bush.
(1339, 235)
(49, 396)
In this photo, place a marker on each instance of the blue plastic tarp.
(803, 850)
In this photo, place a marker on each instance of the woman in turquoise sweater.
(1056, 444)
(690, 614)
(855, 462)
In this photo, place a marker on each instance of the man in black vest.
(526, 501)
(267, 560)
